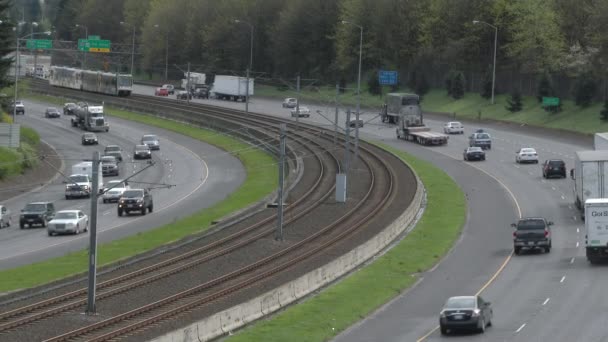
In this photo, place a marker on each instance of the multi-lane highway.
(536, 297)
(187, 176)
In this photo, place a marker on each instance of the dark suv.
(36, 213)
(480, 139)
(554, 167)
(135, 200)
(531, 233)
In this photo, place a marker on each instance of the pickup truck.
(532, 233)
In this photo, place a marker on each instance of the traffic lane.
(221, 185)
(17, 242)
(483, 247)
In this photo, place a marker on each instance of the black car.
(52, 112)
(474, 153)
(465, 312)
(183, 95)
(151, 140)
(201, 93)
(68, 108)
(554, 167)
(532, 233)
(36, 213)
(142, 152)
(89, 139)
(109, 166)
(135, 200)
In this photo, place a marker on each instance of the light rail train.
(93, 81)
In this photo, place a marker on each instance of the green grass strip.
(262, 175)
(343, 304)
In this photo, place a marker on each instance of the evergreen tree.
(342, 85)
(7, 43)
(545, 87)
(373, 84)
(422, 85)
(413, 80)
(458, 85)
(486, 87)
(585, 88)
(514, 102)
(604, 112)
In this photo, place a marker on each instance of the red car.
(161, 92)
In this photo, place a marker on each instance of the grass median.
(261, 180)
(343, 304)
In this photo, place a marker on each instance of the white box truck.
(589, 174)
(233, 88)
(596, 229)
(80, 183)
(600, 141)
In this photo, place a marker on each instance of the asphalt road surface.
(188, 175)
(535, 297)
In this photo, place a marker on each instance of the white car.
(526, 155)
(68, 221)
(303, 112)
(453, 127)
(290, 102)
(114, 194)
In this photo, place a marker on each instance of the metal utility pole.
(347, 144)
(356, 135)
(166, 56)
(16, 82)
(250, 60)
(188, 85)
(336, 116)
(91, 309)
(495, 44)
(282, 139)
(298, 100)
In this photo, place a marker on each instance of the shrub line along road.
(199, 184)
(534, 295)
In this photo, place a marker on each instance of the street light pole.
(250, 61)
(166, 52)
(358, 88)
(494, 62)
(132, 46)
(84, 51)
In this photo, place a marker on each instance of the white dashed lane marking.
(572, 261)
(562, 280)
(546, 301)
(520, 328)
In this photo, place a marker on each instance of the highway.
(187, 175)
(535, 297)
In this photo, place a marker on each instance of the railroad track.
(379, 191)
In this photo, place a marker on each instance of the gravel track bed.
(310, 223)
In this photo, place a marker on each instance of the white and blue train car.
(93, 81)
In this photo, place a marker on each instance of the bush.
(28, 155)
(458, 85)
(514, 102)
(10, 162)
(486, 87)
(585, 88)
(422, 86)
(604, 112)
(545, 87)
(30, 137)
(373, 84)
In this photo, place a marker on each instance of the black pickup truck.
(531, 233)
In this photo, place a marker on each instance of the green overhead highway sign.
(39, 44)
(94, 38)
(94, 45)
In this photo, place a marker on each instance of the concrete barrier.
(286, 294)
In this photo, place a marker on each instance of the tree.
(458, 85)
(545, 87)
(585, 89)
(486, 86)
(7, 43)
(342, 84)
(514, 102)
(422, 85)
(373, 84)
(604, 112)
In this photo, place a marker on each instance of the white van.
(5, 216)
